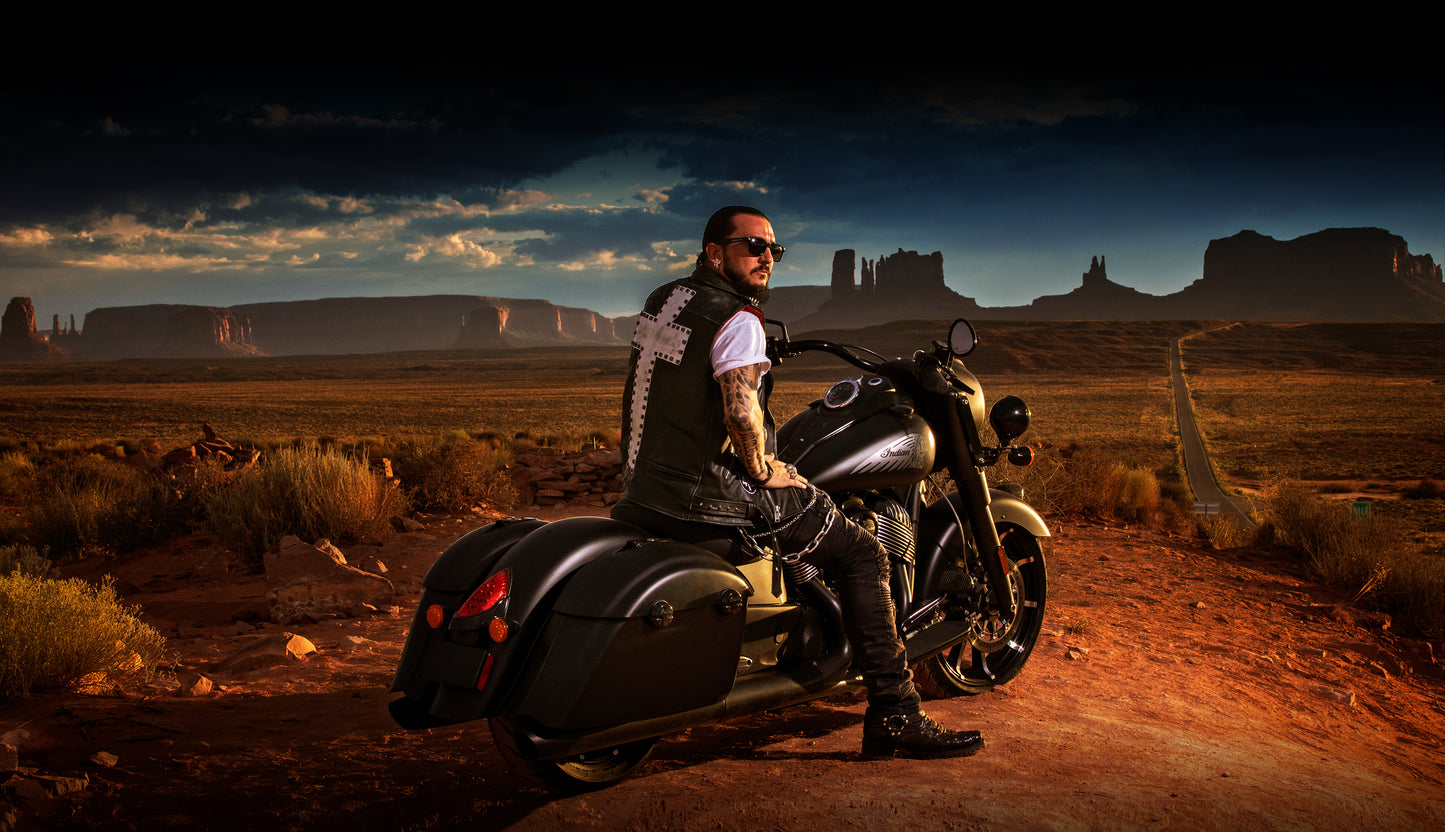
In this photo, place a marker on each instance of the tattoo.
(743, 415)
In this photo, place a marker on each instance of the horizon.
(587, 185)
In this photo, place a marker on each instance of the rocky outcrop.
(903, 285)
(205, 332)
(18, 339)
(163, 331)
(1351, 274)
(337, 326)
(312, 580)
(1344, 274)
(1097, 298)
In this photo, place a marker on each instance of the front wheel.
(997, 648)
(584, 772)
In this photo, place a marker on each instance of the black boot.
(914, 735)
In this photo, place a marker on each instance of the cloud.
(27, 237)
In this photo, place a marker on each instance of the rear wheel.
(583, 772)
(997, 648)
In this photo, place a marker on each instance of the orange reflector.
(497, 628)
(436, 616)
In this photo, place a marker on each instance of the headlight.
(1010, 418)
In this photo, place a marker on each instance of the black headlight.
(1010, 418)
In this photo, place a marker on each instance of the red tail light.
(489, 594)
(486, 671)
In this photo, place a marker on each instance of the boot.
(914, 735)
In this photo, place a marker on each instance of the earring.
(716, 262)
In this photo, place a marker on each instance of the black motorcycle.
(584, 640)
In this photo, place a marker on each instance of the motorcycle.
(584, 640)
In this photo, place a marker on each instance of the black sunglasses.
(757, 245)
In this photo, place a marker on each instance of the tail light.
(492, 591)
(486, 671)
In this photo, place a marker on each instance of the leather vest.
(677, 455)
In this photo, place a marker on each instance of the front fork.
(973, 487)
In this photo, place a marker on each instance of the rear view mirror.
(961, 338)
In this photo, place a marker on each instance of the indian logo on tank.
(899, 455)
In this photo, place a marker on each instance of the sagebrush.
(69, 635)
(309, 492)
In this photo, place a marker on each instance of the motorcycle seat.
(722, 541)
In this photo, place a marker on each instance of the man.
(698, 445)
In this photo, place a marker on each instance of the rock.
(18, 339)
(304, 579)
(355, 644)
(195, 684)
(104, 759)
(42, 786)
(268, 651)
(406, 524)
(9, 758)
(1332, 694)
(374, 566)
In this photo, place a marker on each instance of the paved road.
(1208, 496)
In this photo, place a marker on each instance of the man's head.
(729, 241)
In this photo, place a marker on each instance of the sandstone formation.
(903, 285)
(18, 339)
(335, 326)
(1357, 274)
(1345, 274)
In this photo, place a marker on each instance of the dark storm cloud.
(462, 176)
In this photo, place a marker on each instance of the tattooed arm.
(743, 415)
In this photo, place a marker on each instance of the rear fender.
(443, 680)
(455, 574)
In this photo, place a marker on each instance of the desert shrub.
(1223, 531)
(1081, 483)
(84, 505)
(1139, 495)
(308, 492)
(456, 472)
(1426, 489)
(1367, 554)
(24, 559)
(17, 474)
(68, 634)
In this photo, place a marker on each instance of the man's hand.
(782, 475)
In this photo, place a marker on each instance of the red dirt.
(1174, 687)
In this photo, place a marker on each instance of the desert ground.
(1175, 686)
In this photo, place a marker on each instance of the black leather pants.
(859, 568)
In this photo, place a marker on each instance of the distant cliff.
(899, 286)
(334, 326)
(1344, 274)
(18, 339)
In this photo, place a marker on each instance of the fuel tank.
(863, 434)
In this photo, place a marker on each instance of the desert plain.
(1176, 685)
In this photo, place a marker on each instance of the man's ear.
(714, 254)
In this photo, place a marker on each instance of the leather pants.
(860, 572)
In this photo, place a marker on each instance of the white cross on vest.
(657, 336)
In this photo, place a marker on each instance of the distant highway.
(1208, 496)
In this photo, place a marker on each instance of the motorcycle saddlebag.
(652, 629)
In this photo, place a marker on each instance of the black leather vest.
(678, 457)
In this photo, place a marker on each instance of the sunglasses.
(757, 245)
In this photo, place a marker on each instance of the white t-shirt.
(740, 342)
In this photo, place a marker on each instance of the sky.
(586, 179)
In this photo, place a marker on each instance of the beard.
(739, 279)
